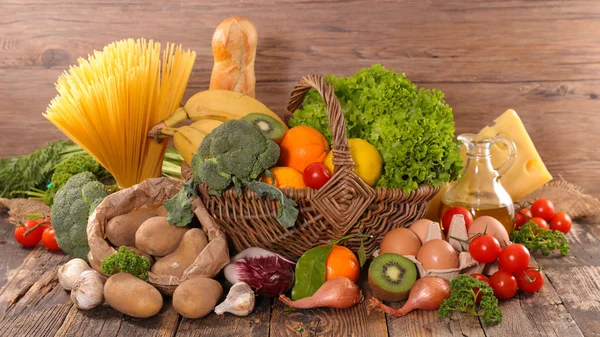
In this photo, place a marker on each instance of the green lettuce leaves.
(412, 128)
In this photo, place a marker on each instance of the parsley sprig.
(545, 240)
(463, 298)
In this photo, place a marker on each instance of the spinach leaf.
(310, 272)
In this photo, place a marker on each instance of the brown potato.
(157, 237)
(192, 243)
(197, 297)
(132, 296)
(121, 229)
(161, 211)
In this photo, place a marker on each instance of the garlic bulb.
(239, 300)
(70, 271)
(88, 290)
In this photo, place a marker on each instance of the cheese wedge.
(526, 174)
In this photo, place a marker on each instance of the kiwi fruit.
(391, 276)
(267, 125)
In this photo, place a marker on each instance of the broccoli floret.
(72, 206)
(233, 152)
(71, 166)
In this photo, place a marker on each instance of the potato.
(161, 211)
(132, 296)
(121, 229)
(197, 297)
(192, 243)
(157, 237)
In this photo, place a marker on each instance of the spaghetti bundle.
(107, 103)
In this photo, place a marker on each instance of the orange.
(285, 177)
(302, 146)
(342, 262)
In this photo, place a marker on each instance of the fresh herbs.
(413, 129)
(463, 298)
(127, 261)
(545, 240)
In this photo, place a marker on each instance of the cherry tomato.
(522, 217)
(49, 239)
(504, 285)
(541, 223)
(514, 258)
(530, 280)
(316, 175)
(32, 238)
(447, 217)
(483, 278)
(484, 248)
(543, 208)
(561, 222)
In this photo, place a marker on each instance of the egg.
(400, 241)
(420, 228)
(490, 226)
(437, 254)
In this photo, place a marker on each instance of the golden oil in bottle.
(504, 214)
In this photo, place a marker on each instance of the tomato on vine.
(561, 222)
(522, 217)
(447, 217)
(484, 248)
(514, 258)
(541, 223)
(543, 208)
(504, 285)
(29, 233)
(49, 239)
(530, 280)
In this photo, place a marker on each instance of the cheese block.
(526, 174)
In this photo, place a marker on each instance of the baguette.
(234, 50)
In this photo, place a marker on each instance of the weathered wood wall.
(541, 58)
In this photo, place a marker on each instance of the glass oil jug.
(479, 190)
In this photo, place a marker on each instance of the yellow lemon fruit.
(367, 160)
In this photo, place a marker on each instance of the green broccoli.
(126, 261)
(235, 152)
(73, 204)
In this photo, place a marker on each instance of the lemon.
(367, 160)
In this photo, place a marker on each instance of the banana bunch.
(208, 109)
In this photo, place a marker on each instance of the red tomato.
(543, 208)
(530, 280)
(49, 239)
(504, 285)
(316, 175)
(32, 238)
(484, 248)
(522, 217)
(541, 223)
(447, 217)
(561, 222)
(514, 258)
(483, 278)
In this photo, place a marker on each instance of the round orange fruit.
(342, 262)
(302, 146)
(285, 177)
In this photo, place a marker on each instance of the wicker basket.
(345, 205)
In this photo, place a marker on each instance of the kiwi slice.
(267, 125)
(391, 276)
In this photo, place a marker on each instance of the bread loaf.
(234, 50)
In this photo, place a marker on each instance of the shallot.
(427, 293)
(337, 293)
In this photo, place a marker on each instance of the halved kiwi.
(391, 276)
(267, 125)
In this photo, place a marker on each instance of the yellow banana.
(187, 140)
(206, 125)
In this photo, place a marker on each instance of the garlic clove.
(69, 272)
(239, 301)
(88, 290)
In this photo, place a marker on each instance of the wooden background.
(541, 58)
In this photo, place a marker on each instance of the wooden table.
(32, 303)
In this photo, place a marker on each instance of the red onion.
(427, 293)
(267, 273)
(337, 293)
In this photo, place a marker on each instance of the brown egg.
(437, 254)
(420, 228)
(490, 226)
(400, 241)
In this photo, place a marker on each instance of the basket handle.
(337, 124)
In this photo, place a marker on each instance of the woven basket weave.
(345, 205)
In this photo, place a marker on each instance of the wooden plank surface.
(541, 58)
(32, 303)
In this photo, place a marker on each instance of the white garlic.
(239, 301)
(70, 271)
(88, 290)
